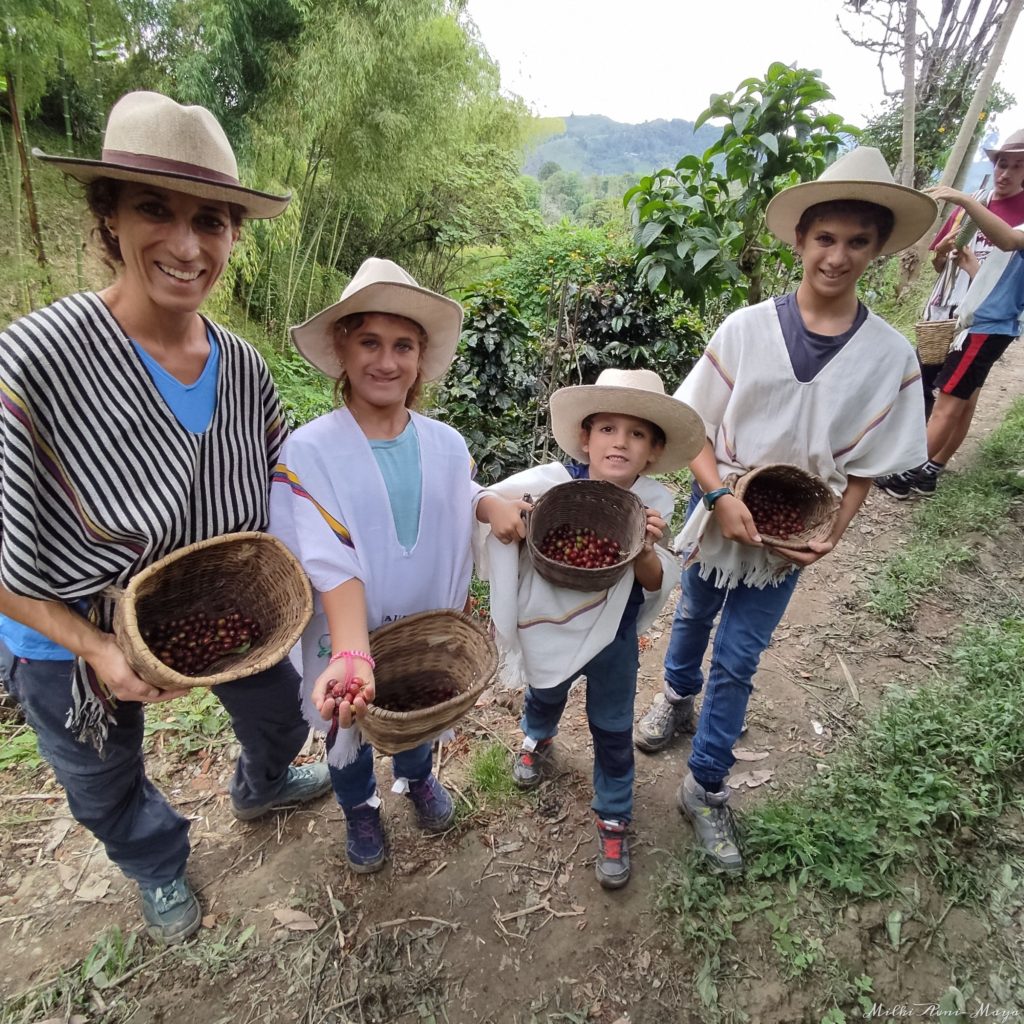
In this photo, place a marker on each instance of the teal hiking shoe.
(304, 782)
(171, 911)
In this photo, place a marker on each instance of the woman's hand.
(112, 668)
(735, 521)
(346, 712)
(802, 559)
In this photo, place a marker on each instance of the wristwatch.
(711, 497)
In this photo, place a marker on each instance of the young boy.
(813, 379)
(619, 429)
(989, 317)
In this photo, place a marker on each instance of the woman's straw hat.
(153, 140)
(860, 174)
(382, 286)
(637, 393)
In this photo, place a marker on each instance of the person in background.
(133, 426)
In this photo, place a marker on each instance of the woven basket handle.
(112, 592)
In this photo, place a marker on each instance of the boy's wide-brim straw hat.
(382, 286)
(155, 141)
(860, 174)
(1014, 145)
(637, 393)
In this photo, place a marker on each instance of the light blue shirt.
(399, 463)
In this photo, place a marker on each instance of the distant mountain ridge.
(594, 144)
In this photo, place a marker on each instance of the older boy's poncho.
(547, 633)
(862, 415)
(330, 505)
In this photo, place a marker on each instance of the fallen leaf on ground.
(68, 874)
(742, 754)
(295, 920)
(93, 890)
(751, 779)
(58, 830)
(209, 921)
(817, 726)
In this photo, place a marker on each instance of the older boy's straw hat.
(1013, 145)
(155, 141)
(860, 174)
(638, 393)
(381, 286)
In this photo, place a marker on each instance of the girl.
(377, 503)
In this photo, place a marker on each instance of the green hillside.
(594, 144)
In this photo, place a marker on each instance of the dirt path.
(501, 919)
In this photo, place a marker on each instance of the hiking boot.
(435, 810)
(171, 911)
(303, 782)
(526, 771)
(364, 837)
(663, 720)
(923, 482)
(612, 867)
(712, 821)
(897, 485)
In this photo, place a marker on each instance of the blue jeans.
(355, 783)
(611, 693)
(112, 797)
(749, 617)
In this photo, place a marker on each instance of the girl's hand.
(346, 711)
(655, 529)
(735, 520)
(819, 548)
(112, 668)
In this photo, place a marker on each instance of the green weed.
(490, 776)
(194, 722)
(18, 747)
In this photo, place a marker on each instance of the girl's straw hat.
(1014, 145)
(381, 286)
(153, 140)
(860, 174)
(637, 393)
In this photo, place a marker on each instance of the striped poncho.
(99, 479)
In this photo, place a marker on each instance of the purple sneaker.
(364, 839)
(435, 810)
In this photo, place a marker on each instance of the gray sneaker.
(302, 783)
(171, 911)
(663, 720)
(712, 822)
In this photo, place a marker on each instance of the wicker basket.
(424, 650)
(933, 340)
(249, 572)
(796, 487)
(610, 511)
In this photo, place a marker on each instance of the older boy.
(619, 430)
(812, 379)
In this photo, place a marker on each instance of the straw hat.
(153, 140)
(860, 174)
(1014, 144)
(638, 393)
(381, 286)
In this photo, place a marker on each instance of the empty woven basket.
(419, 655)
(783, 484)
(610, 511)
(251, 572)
(933, 338)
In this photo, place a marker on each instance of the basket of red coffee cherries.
(430, 669)
(214, 611)
(789, 505)
(584, 534)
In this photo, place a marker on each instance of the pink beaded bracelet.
(361, 655)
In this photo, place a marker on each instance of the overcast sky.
(636, 61)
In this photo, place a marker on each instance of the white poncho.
(862, 415)
(330, 505)
(547, 633)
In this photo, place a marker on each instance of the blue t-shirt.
(809, 353)
(193, 406)
(399, 463)
(580, 471)
(1000, 310)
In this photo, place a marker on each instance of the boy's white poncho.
(329, 504)
(547, 633)
(862, 415)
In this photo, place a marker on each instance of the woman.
(131, 427)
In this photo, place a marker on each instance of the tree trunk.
(905, 175)
(26, 170)
(913, 258)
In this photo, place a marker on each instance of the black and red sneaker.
(527, 770)
(612, 865)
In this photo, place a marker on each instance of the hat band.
(161, 164)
